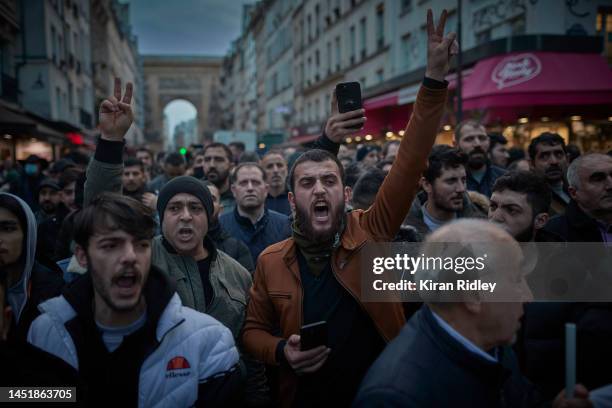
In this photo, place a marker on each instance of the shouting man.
(315, 275)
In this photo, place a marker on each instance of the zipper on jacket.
(191, 284)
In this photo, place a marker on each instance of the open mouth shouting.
(127, 283)
(185, 234)
(321, 211)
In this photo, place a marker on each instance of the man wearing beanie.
(207, 280)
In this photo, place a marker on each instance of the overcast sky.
(203, 27)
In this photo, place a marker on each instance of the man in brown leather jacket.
(315, 275)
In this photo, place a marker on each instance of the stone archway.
(192, 78)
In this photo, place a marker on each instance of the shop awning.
(538, 78)
(21, 124)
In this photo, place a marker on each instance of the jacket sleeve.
(261, 319)
(384, 218)
(222, 390)
(325, 143)
(105, 170)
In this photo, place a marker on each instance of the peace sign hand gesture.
(440, 48)
(116, 114)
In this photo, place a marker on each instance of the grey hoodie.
(18, 293)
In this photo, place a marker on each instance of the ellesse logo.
(178, 367)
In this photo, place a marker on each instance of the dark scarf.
(316, 253)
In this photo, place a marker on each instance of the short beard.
(476, 162)
(104, 295)
(304, 225)
(442, 205)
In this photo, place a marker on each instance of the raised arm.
(115, 117)
(383, 219)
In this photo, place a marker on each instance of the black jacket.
(45, 283)
(574, 226)
(231, 246)
(426, 367)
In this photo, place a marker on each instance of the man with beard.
(316, 274)
(208, 280)
(275, 166)
(224, 241)
(547, 157)
(218, 162)
(444, 195)
(124, 317)
(520, 204)
(48, 199)
(250, 221)
(471, 138)
(134, 180)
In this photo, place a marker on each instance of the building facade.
(382, 45)
(115, 55)
(46, 76)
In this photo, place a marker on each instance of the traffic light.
(183, 151)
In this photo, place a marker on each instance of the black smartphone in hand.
(348, 95)
(313, 335)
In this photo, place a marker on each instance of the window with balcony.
(603, 28)
(406, 51)
(364, 36)
(353, 44)
(483, 37)
(338, 54)
(380, 75)
(380, 26)
(54, 45)
(329, 58)
(406, 6)
(317, 20)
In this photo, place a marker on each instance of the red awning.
(388, 99)
(539, 78)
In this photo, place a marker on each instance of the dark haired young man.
(548, 158)
(208, 280)
(520, 204)
(498, 152)
(315, 274)
(123, 326)
(28, 281)
(22, 364)
(444, 195)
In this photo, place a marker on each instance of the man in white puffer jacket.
(122, 324)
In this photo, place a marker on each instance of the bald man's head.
(487, 318)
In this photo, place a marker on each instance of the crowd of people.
(177, 280)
